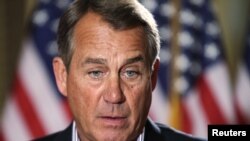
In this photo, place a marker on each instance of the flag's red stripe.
(241, 119)
(26, 109)
(66, 108)
(2, 136)
(211, 108)
(152, 115)
(186, 122)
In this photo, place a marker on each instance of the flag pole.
(175, 113)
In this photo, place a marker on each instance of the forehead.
(92, 32)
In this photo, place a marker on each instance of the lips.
(113, 121)
(112, 118)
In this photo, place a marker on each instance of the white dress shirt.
(75, 136)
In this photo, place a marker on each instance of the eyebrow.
(138, 58)
(102, 61)
(95, 61)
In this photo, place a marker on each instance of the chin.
(114, 136)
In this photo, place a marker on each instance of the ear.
(60, 72)
(155, 73)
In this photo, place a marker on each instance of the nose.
(114, 93)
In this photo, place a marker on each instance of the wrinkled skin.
(108, 84)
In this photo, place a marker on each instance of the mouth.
(113, 121)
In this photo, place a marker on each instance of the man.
(107, 68)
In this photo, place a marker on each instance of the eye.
(96, 74)
(131, 74)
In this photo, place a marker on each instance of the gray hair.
(120, 14)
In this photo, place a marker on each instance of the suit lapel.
(65, 135)
(152, 132)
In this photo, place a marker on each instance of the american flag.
(35, 107)
(194, 82)
(242, 92)
(162, 10)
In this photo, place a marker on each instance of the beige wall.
(2, 45)
(11, 30)
(13, 15)
(234, 16)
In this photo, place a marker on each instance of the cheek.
(140, 98)
(81, 97)
(146, 97)
(76, 95)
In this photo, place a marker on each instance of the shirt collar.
(75, 136)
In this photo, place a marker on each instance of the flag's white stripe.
(40, 89)
(159, 106)
(13, 126)
(196, 113)
(243, 90)
(218, 79)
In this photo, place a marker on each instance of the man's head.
(108, 57)
(120, 14)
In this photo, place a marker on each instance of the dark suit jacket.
(153, 132)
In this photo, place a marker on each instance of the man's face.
(108, 84)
